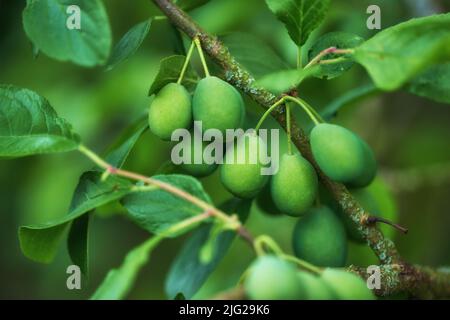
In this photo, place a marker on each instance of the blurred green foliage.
(405, 131)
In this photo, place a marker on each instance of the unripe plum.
(244, 180)
(347, 285)
(271, 278)
(320, 238)
(294, 186)
(342, 155)
(171, 109)
(218, 105)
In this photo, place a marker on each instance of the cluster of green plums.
(272, 278)
(220, 106)
(341, 154)
(216, 103)
(320, 236)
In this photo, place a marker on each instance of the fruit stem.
(267, 241)
(186, 62)
(288, 129)
(202, 56)
(306, 108)
(302, 263)
(373, 220)
(269, 111)
(315, 117)
(318, 116)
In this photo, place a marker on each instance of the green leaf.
(188, 273)
(190, 4)
(340, 40)
(301, 17)
(397, 54)
(92, 192)
(282, 81)
(46, 25)
(169, 71)
(157, 210)
(120, 150)
(29, 125)
(40, 242)
(252, 53)
(349, 97)
(433, 84)
(77, 242)
(118, 282)
(129, 44)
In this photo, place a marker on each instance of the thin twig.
(375, 219)
(209, 210)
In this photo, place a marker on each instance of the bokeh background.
(410, 136)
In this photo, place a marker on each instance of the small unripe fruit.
(271, 278)
(370, 169)
(244, 179)
(294, 186)
(198, 169)
(342, 155)
(171, 109)
(316, 288)
(320, 238)
(346, 285)
(218, 105)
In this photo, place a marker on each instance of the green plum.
(271, 278)
(370, 169)
(199, 169)
(244, 179)
(171, 109)
(320, 238)
(218, 105)
(342, 155)
(294, 186)
(316, 288)
(347, 285)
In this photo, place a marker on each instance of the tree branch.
(418, 281)
(243, 80)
